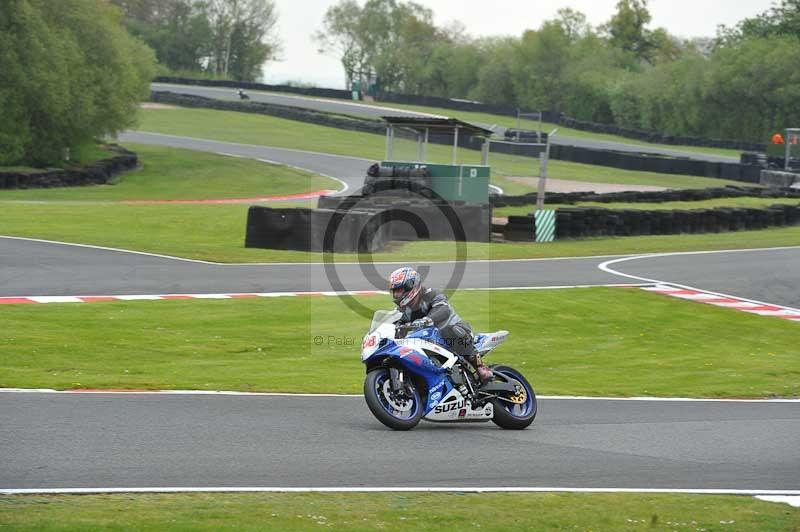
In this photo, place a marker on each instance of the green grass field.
(640, 344)
(270, 131)
(390, 511)
(216, 233)
(173, 174)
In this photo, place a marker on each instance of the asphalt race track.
(31, 268)
(106, 441)
(350, 170)
(376, 111)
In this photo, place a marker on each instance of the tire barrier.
(661, 164)
(306, 91)
(521, 229)
(97, 173)
(310, 230)
(525, 135)
(412, 218)
(701, 194)
(366, 226)
(584, 222)
(386, 178)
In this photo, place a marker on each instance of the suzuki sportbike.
(412, 375)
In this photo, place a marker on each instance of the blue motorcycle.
(412, 375)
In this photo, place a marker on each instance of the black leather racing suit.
(434, 305)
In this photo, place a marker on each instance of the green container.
(469, 183)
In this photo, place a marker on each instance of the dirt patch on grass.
(565, 185)
(151, 105)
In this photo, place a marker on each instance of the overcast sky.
(300, 18)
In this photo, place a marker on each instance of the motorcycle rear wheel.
(395, 412)
(509, 415)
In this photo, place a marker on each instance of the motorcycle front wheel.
(396, 411)
(518, 411)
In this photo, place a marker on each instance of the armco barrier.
(98, 173)
(585, 222)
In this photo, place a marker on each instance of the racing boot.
(483, 371)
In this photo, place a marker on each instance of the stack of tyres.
(278, 228)
(520, 229)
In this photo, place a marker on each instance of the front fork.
(398, 382)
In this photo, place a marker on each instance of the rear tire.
(509, 415)
(377, 393)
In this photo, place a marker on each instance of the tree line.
(72, 71)
(742, 84)
(222, 38)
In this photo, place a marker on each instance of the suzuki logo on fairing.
(455, 405)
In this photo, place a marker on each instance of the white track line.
(259, 146)
(254, 295)
(333, 395)
(453, 489)
(344, 186)
(476, 261)
(606, 267)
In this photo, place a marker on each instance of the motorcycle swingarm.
(493, 386)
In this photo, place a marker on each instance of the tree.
(341, 35)
(574, 23)
(780, 20)
(242, 36)
(540, 63)
(70, 73)
(627, 28)
(495, 75)
(385, 38)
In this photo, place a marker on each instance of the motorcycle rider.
(426, 307)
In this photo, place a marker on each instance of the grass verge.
(216, 233)
(270, 131)
(388, 511)
(172, 174)
(640, 344)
